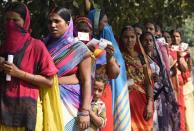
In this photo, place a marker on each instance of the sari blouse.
(134, 69)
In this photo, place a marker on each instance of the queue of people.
(80, 77)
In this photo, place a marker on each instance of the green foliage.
(166, 13)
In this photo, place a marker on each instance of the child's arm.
(98, 120)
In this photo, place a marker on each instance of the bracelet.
(83, 113)
(150, 98)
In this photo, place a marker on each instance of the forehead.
(138, 29)
(99, 84)
(148, 36)
(12, 14)
(128, 32)
(55, 16)
(150, 25)
(176, 34)
(83, 25)
(104, 18)
(166, 34)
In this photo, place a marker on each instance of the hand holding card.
(103, 43)
(83, 36)
(10, 60)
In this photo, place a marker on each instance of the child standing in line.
(98, 109)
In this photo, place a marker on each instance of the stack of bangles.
(83, 112)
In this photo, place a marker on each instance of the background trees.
(166, 13)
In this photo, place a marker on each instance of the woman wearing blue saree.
(120, 100)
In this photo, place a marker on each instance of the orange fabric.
(138, 104)
(107, 99)
(181, 103)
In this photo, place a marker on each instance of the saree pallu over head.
(18, 98)
(66, 52)
(16, 36)
(121, 108)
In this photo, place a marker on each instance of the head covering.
(95, 16)
(138, 48)
(65, 51)
(65, 39)
(82, 19)
(16, 36)
(85, 20)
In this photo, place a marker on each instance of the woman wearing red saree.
(32, 67)
(184, 77)
(141, 92)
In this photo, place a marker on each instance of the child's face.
(98, 90)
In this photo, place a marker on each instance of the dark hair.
(152, 24)
(139, 25)
(126, 28)
(176, 30)
(158, 28)
(102, 78)
(62, 12)
(144, 35)
(17, 7)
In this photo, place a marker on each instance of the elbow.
(113, 75)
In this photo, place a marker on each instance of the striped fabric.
(121, 107)
(66, 51)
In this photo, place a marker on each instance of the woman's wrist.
(83, 113)
(111, 60)
(150, 99)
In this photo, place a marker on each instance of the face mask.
(15, 36)
(12, 28)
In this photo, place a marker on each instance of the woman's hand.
(84, 122)
(1, 63)
(148, 113)
(10, 69)
(92, 47)
(109, 51)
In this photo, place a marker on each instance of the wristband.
(83, 113)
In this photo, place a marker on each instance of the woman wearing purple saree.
(72, 58)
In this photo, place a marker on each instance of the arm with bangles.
(149, 95)
(85, 76)
(14, 71)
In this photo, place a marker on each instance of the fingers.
(83, 125)
(7, 67)
(110, 50)
(83, 122)
(148, 115)
(109, 47)
(91, 47)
